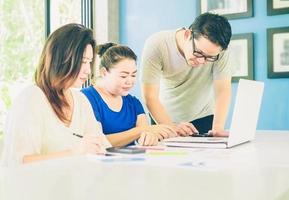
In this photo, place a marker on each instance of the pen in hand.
(77, 135)
(98, 143)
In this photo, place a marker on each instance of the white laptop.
(243, 124)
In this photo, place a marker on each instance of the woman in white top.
(51, 119)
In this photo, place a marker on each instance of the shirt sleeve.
(23, 128)
(151, 62)
(138, 106)
(221, 68)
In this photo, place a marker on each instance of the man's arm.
(150, 93)
(152, 67)
(222, 90)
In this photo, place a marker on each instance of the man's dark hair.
(214, 27)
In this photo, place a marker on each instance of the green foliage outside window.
(21, 40)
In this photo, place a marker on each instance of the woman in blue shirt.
(122, 116)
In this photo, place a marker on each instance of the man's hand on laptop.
(218, 132)
(185, 129)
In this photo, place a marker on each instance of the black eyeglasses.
(199, 54)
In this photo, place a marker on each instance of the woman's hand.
(90, 144)
(148, 139)
(162, 131)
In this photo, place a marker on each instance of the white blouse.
(32, 127)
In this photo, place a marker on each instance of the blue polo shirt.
(111, 121)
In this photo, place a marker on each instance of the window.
(21, 39)
(23, 27)
(60, 12)
(63, 12)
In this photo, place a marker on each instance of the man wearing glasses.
(186, 80)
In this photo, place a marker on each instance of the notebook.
(243, 124)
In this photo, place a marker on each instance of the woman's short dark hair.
(111, 53)
(214, 27)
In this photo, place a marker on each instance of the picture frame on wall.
(241, 56)
(278, 52)
(277, 7)
(231, 9)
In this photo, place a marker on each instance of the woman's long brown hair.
(60, 64)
